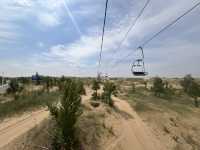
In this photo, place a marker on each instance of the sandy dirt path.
(14, 127)
(134, 133)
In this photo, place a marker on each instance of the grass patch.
(27, 102)
(142, 107)
(144, 100)
(90, 128)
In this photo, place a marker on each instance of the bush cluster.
(66, 113)
(109, 89)
(192, 88)
(95, 87)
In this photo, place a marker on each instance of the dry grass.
(92, 130)
(27, 103)
(37, 138)
(174, 120)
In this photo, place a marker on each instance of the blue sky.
(62, 37)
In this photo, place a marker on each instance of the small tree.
(192, 88)
(48, 84)
(186, 82)
(194, 91)
(81, 88)
(158, 86)
(66, 114)
(95, 87)
(109, 90)
(61, 83)
(13, 87)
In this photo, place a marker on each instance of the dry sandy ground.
(134, 134)
(14, 127)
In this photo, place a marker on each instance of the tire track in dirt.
(134, 133)
(13, 129)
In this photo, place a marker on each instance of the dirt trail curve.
(134, 133)
(17, 126)
(14, 127)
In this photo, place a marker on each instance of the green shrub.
(186, 82)
(48, 84)
(95, 87)
(81, 88)
(192, 88)
(13, 87)
(62, 82)
(109, 90)
(26, 103)
(66, 114)
(194, 92)
(158, 86)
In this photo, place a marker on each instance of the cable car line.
(102, 39)
(155, 35)
(169, 25)
(133, 25)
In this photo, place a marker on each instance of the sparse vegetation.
(109, 90)
(166, 107)
(133, 89)
(192, 88)
(186, 82)
(173, 116)
(66, 114)
(26, 103)
(14, 87)
(95, 87)
(158, 86)
(162, 88)
(81, 89)
(48, 84)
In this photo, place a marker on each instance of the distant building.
(105, 77)
(36, 77)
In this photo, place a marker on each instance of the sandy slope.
(13, 128)
(134, 133)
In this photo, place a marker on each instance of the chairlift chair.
(138, 67)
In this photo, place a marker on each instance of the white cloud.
(23, 3)
(40, 44)
(170, 57)
(88, 46)
(84, 48)
(8, 37)
(48, 20)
